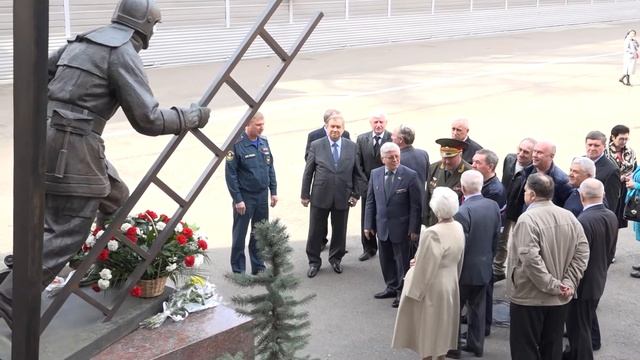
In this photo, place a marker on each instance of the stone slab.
(208, 334)
(79, 331)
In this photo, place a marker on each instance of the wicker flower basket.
(152, 288)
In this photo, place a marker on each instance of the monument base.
(207, 334)
(78, 331)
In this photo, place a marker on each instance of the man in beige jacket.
(547, 258)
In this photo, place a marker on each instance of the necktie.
(336, 156)
(388, 181)
(376, 146)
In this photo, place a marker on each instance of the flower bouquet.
(183, 252)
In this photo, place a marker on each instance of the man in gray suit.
(369, 145)
(393, 214)
(331, 183)
(480, 219)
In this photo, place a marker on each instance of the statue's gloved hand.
(196, 116)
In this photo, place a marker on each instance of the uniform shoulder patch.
(230, 155)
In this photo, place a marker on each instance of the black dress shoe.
(498, 277)
(454, 354)
(386, 294)
(475, 352)
(313, 271)
(396, 302)
(337, 267)
(635, 267)
(635, 274)
(366, 256)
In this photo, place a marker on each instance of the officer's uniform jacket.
(435, 178)
(249, 170)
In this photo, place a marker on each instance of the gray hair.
(463, 121)
(472, 181)
(596, 135)
(586, 164)
(407, 134)
(444, 202)
(387, 147)
(542, 185)
(378, 114)
(592, 188)
(336, 116)
(490, 157)
(328, 113)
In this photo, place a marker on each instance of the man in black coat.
(606, 171)
(369, 145)
(319, 134)
(581, 168)
(460, 131)
(480, 220)
(601, 229)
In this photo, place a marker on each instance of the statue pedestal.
(207, 334)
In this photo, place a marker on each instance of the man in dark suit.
(581, 169)
(331, 183)
(319, 134)
(480, 220)
(512, 168)
(322, 132)
(606, 171)
(460, 131)
(369, 145)
(445, 172)
(393, 214)
(601, 229)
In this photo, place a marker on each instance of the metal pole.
(433, 7)
(471, 5)
(67, 19)
(506, 4)
(30, 46)
(388, 8)
(537, 3)
(290, 11)
(227, 13)
(346, 9)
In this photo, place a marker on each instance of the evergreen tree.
(279, 327)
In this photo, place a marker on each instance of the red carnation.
(187, 232)
(95, 287)
(189, 260)
(104, 255)
(136, 291)
(152, 214)
(132, 234)
(181, 239)
(202, 244)
(142, 216)
(85, 248)
(96, 230)
(164, 218)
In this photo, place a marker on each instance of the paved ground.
(556, 84)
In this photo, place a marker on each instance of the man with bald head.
(460, 131)
(581, 169)
(369, 145)
(601, 229)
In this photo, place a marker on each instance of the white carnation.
(179, 228)
(105, 274)
(160, 226)
(103, 284)
(193, 245)
(112, 245)
(199, 260)
(125, 227)
(200, 236)
(171, 267)
(91, 240)
(99, 234)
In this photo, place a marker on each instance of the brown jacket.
(548, 248)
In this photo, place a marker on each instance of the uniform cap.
(451, 147)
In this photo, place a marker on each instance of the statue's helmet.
(140, 15)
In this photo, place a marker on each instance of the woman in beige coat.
(429, 311)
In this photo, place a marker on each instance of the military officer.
(446, 172)
(250, 178)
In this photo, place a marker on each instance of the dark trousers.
(536, 331)
(257, 210)
(368, 245)
(67, 222)
(474, 296)
(317, 229)
(394, 262)
(579, 320)
(595, 327)
(489, 307)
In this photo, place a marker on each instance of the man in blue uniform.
(250, 178)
